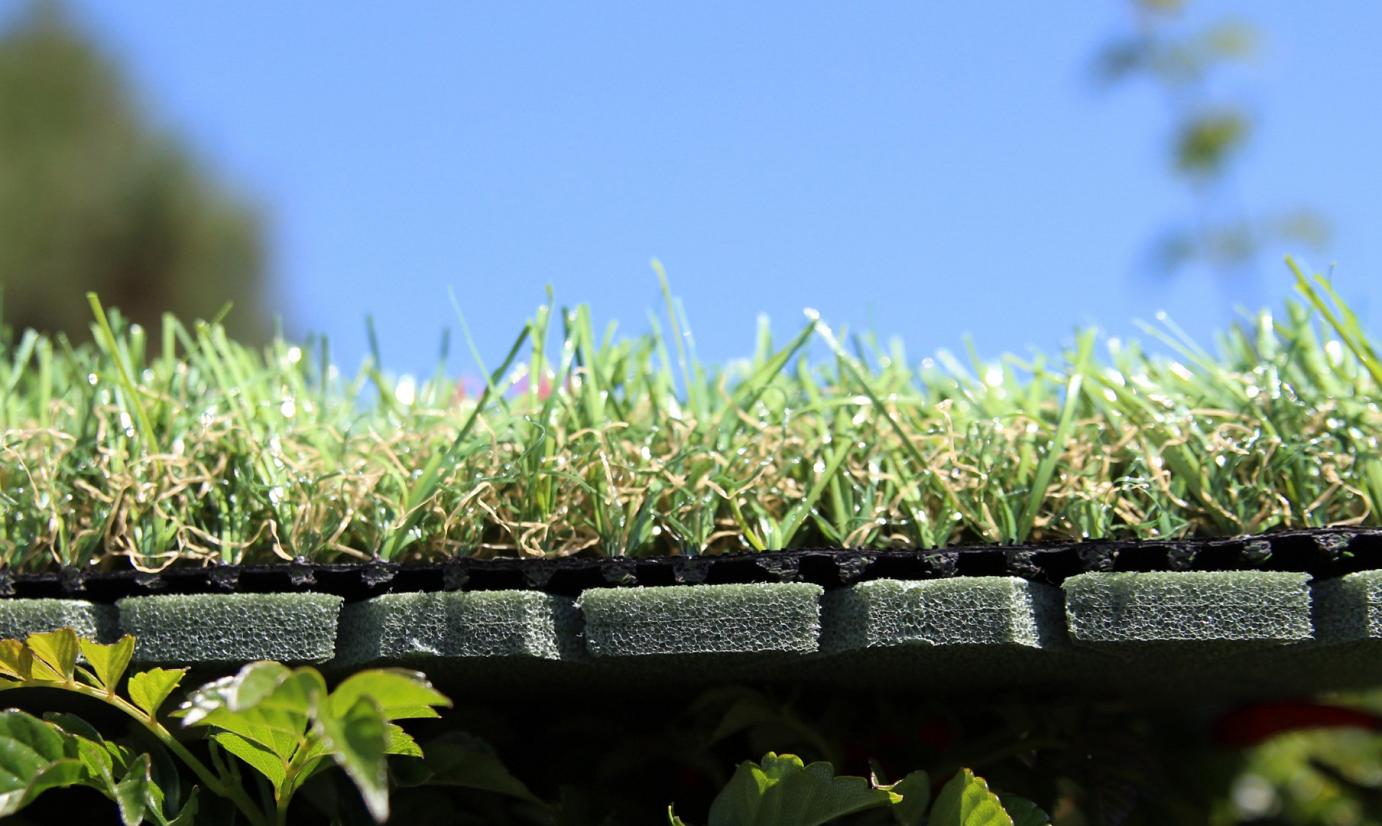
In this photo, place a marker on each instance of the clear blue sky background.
(923, 169)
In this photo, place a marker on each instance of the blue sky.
(922, 169)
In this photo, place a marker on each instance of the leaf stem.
(216, 784)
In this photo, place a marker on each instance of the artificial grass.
(150, 448)
(198, 629)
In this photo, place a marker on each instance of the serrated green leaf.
(357, 741)
(16, 660)
(781, 791)
(915, 789)
(55, 654)
(150, 689)
(400, 693)
(1024, 812)
(35, 756)
(266, 703)
(108, 662)
(258, 757)
(967, 801)
(463, 760)
(188, 815)
(132, 794)
(401, 743)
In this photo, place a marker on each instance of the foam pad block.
(21, 617)
(702, 619)
(959, 611)
(460, 624)
(231, 628)
(1349, 608)
(1208, 606)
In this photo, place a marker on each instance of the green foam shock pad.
(231, 628)
(702, 619)
(940, 612)
(524, 624)
(944, 635)
(1349, 609)
(21, 617)
(1192, 633)
(1189, 606)
(1348, 622)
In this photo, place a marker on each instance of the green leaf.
(1024, 812)
(132, 794)
(150, 689)
(400, 693)
(266, 703)
(16, 660)
(967, 801)
(781, 791)
(915, 789)
(673, 820)
(401, 743)
(108, 661)
(35, 756)
(55, 654)
(188, 815)
(463, 760)
(260, 758)
(357, 741)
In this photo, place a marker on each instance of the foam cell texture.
(219, 628)
(1210, 606)
(460, 624)
(702, 619)
(21, 617)
(959, 611)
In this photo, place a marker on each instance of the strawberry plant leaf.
(781, 791)
(108, 662)
(915, 789)
(1024, 812)
(967, 801)
(150, 689)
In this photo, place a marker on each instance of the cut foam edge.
(21, 617)
(231, 628)
(1189, 606)
(939, 612)
(523, 624)
(1349, 609)
(702, 619)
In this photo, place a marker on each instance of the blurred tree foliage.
(1210, 132)
(93, 197)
